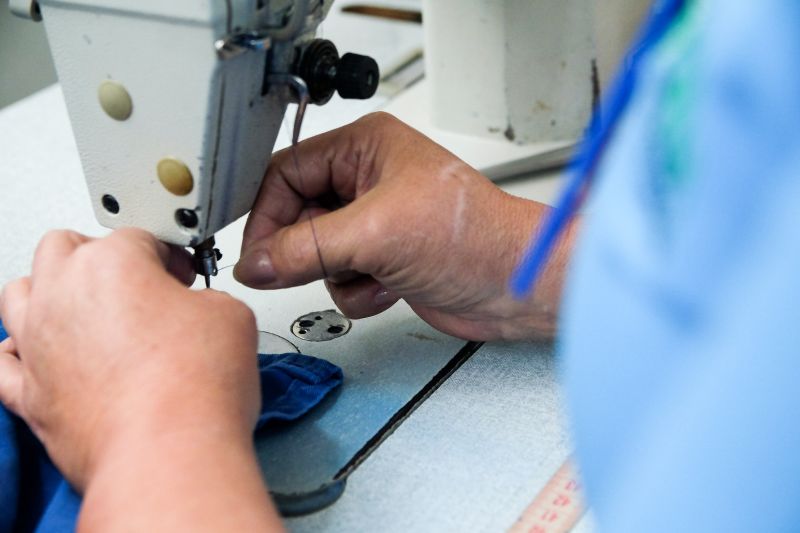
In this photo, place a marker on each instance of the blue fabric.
(680, 340)
(35, 497)
(292, 384)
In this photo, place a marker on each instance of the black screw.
(335, 329)
(110, 204)
(186, 218)
(306, 323)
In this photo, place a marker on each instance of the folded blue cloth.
(35, 497)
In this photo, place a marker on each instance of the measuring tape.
(557, 507)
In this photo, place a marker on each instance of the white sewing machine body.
(197, 124)
(509, 88)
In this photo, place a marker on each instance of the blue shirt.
(681, 328)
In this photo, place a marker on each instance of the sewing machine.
(175, 106)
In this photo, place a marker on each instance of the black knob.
(317, 67)
(352, 75)
(357, 76)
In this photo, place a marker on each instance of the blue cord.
(662, 15)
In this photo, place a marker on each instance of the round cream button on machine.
(115, 100)
(175, 176)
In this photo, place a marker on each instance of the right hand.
(397, 216)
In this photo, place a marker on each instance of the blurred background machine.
(510, 85)
(428, 432)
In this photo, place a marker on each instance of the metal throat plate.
(390, 363)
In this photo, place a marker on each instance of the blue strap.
(600, 130)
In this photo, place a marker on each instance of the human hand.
(397, 216)
(110, 356)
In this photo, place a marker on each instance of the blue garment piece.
(35, 497)
(292, 384)
(679, 336)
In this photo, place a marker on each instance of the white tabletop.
(471, 457)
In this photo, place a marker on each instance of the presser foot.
(205, 260)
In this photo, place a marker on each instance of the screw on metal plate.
(320, 326)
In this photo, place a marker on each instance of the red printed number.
(561, 501)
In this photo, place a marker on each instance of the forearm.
(190, 481)
(547, 292)
(535, 315)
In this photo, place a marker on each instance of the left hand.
(109, 353)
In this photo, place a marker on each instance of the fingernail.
(384, 297)
(254, 268)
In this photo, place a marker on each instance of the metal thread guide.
(303, 98)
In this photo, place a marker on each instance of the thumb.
(309, 250)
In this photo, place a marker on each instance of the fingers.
(180, 265)
(9, 346)
(341, 162)
(13, 305)
(10, 379)
(54, 248)
(290, 256)
(361, 297)
(343, 277)
(149, 246)
(173, 258)
(291, 180)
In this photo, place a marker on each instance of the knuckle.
(333, 290)
(86, 255)
(11, 292)
(112, 257)
(276, 160)
(347, 301)
(128, 239)
(242, 312)
(380, 119)
(243, 316)
(338, 298)
(29, 407)
(230, 307)
(56, 236)
(130, 233)
(11, 286)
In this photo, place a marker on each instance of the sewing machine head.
(176, 106)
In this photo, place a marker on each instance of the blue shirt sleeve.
(680, 335)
